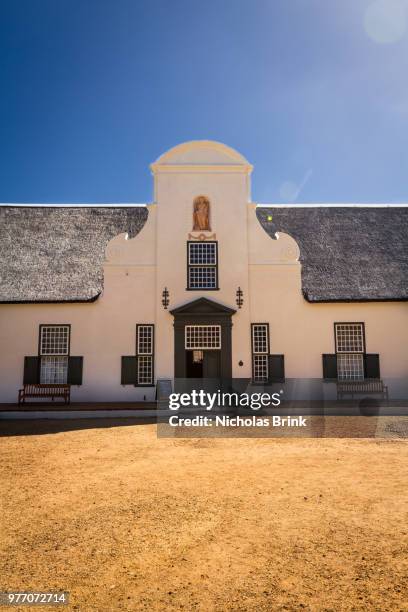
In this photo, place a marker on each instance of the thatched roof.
(55, 254)
(347, 253)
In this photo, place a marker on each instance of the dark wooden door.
(212, 364)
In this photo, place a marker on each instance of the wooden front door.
(212, 364)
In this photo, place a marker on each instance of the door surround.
(202, 311)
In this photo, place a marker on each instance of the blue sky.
(313, 92)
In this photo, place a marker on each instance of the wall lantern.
(240, 297)
(165, 298)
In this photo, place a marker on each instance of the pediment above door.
(203, 306)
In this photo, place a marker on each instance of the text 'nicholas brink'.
(227, 421)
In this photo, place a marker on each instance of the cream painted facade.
(137, 270)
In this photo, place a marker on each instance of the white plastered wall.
(221, 174)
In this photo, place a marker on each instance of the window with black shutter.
(54, 347)
(54, 363)
(138, 369)
(260, 352)
(350, 349)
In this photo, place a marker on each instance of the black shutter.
(31, 370)
(329, 366)
(129, 371)
(75, 370)
(276, 368)
(372, 366)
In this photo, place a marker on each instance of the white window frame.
(54, 354)
(48, 327)
(54, 370)
(350, 359)
(145, 355)
(201, 266)
(206, 346)
(260, 358)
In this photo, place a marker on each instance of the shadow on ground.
(38, 427)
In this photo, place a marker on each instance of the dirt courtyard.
(125, 521)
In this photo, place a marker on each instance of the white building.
(264, 292)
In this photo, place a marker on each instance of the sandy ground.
(126, 521)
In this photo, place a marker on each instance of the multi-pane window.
(349, 338)
(260, 340)
(260, 368)
(145, 354)
(202, 337)
(145, 339)
(260, 352)
(54, 370)
(145, 370)
(54, 340)
(350, 367)
(202, 261)
(350, 350)
(54, 352)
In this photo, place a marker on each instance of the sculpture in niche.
(201, 214)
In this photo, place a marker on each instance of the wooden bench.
(370, 386)
(45, 391)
